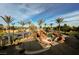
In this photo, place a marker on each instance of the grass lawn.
(1, 32)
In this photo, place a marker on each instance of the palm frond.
(7, 19)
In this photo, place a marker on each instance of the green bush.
(73, 33)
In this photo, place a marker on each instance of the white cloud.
(20, 11)
(30, 9)
(72, 17)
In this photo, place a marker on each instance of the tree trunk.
(23, 32)
(1, 43)
(9, 34)
(13, 34)
(59, 27)
(51, 26)
(6, 29)
(3, 30)
(40, 26)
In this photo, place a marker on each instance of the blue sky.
(48, 11)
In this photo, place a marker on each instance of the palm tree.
(1, 42)
(13, 30)
(45, 25)
(29, 22)
(59, 21)
(22, 23)
(40, 22)
(8, 20)
(51, 25)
